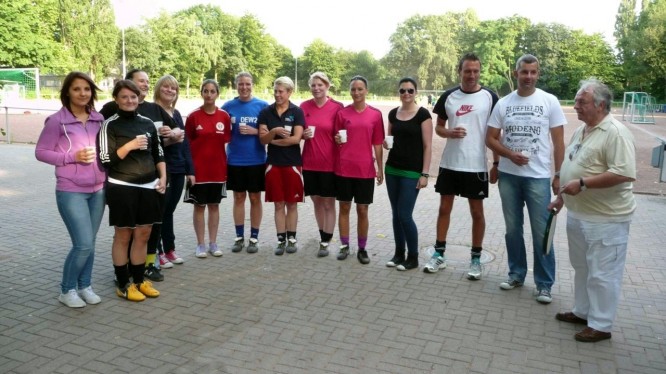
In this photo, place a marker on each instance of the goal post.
(19, 83)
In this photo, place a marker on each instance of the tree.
(27, 32)
(427, 48)
(498, 44)
(649, 44)
(223, 29)
(89, 34)
(258, 51)
(319, 56)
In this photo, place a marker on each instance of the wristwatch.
(583, 187)
(425, 175)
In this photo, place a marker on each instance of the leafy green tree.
(427, 48)
(498, 45)
(27, 31)
(319, 56)
(223, 29)
(185, 51)
(258, 51)
(141, 49)
(89, 34)
(649, 44)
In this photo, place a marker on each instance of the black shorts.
(469, 185)
(361, 190)
(131, 206)
(205, 193)
(246, 178)
(319, 183)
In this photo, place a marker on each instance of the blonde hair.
(321, 76)
(165, 80)
(285, 82)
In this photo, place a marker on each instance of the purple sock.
(362, 242)
(344, 240)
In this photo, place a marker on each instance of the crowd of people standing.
(138, 157)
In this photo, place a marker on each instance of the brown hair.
(67, 84)
(125, 83)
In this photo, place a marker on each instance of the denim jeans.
(82, 214)
(515, 193)
(402, 194)
(172, 197)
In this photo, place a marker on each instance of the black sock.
(122, 275)
(440, 247)
(327, 237)
(137, 272)
(476, 252)
(291, 234)
(322, 235)
(282, 236)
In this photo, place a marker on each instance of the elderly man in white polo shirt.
(599, 171)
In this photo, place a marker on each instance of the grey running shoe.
(291, 245)
(279, 250)
(544, 296)
(239, 243)
(436, 262)
(344, 252)
(252, 245)
(475, 269)
(510, 284)
(323, 250)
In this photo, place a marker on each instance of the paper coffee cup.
(389, 141)
(343, 136)
(142, 136)
(90, 150)
(312, 128)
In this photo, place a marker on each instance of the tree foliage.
(203, 42)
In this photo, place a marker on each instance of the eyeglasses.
(409, 90)
(574, 151)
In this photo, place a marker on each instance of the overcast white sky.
(367, 25)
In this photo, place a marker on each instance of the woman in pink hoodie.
(68, 142)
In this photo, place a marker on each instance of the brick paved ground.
(299, 314)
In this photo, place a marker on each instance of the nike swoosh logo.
(462, 112)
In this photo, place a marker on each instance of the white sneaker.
(71, 299)
(436, 262)
(89, 296)
(200, 252)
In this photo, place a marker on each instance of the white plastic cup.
(91, 151)
(312, 129)
(158, 124)
(525, 153)
(288, 128)
(142, 136)
(343, 136)
(242, 126)
(389, 141)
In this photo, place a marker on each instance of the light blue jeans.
(402, 194)
(517, 192)
(82, 214)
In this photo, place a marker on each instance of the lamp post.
(124, 65)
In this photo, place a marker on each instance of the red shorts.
(284, 183)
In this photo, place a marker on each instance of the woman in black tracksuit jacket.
(131, 152)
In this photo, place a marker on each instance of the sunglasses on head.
(409, 90)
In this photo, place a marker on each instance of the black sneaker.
(410, 263)
(153, 273)
(395, 261)
(279, 250)
(362, 256)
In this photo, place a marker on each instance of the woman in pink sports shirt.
(355, 169)
(319, 153)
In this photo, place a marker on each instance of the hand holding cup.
(141, 142)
